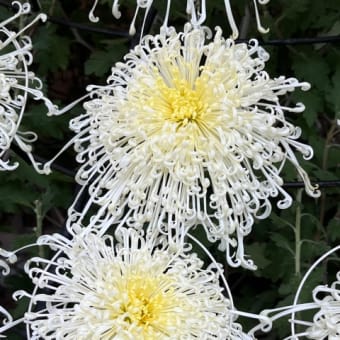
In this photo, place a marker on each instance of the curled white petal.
(326, 321)
(10, 258)
(197, 10)
(16, 83)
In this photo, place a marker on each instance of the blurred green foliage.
(69, 59)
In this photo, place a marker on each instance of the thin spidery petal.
(127, 287)
(326, 299)
(6, 319)
(10, 258)
(16, 83)
(326, 322)
(197, 11)
(189, 132)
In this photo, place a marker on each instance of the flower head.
(326, 322)
(100, 288)
(15, 85)
(326, 300)
(194, 8)
(189, 132)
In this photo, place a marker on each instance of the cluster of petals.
(326, 322)
(16, 82)
(189, 131)
(99, 287)
(195, 9)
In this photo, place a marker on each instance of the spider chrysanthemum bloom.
(16, 82)
(99, 288)
(190, 132)
(326, 322)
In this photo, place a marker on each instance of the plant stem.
(328, 141)
(39, 219)
(298, 233)
(52, 6)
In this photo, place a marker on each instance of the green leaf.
(314, 105)
(333, 95)
(314, 70)
(257, 252)
(325, 175)
(35, 119)
(282, 242)
(53, 50)
(290, 286)
(101, 61)
(10, 198)
(333, 229)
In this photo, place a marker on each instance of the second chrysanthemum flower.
(132, 288)
(190, 132)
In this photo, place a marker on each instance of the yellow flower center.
(149, 302)
(144, 302)
(181, 103)
(184, 104)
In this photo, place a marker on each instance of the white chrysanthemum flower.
(326, 300)
(99, 288)
(15, 84)
(194, 8)
(326, 322)
(189, 132)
